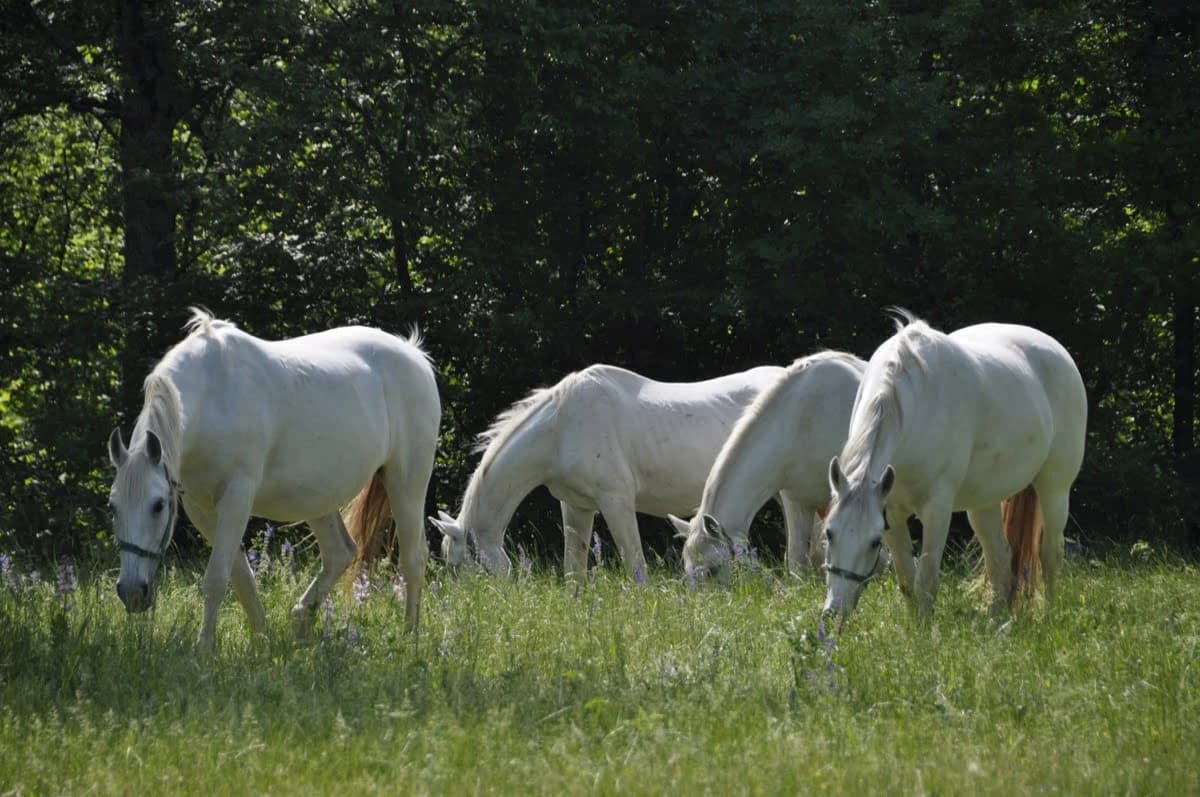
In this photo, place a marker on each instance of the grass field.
(532, 686)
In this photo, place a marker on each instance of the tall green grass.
(532, 685)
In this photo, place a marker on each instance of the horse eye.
(828, 534)
(875, 543)
(157, 507)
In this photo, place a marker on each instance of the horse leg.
(1055, 506)
(577, 531)
(406, 492)
(801, 536)
(619, 514)
(900, 546)
(988, 524)
(233, 512)
(337, 552)
(935, 521)
(242, 576)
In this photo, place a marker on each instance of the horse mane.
(508, 422)
(899, 361)
(162, 413)
(202, 322)
(790, 374)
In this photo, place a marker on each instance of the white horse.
(602, 439)
(957, 422)
(782, 444)
(289, 430)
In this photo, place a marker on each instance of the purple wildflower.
(639, 575)
(268, 533)
(252, 558)
(523, 558)
(35, 578)
(597, 548)
(352, 635)
(289, 555)
(66, 584)
(362, 588)
(398, 588)
(6, 572)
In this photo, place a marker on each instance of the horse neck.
(747, 472)
(497, 489)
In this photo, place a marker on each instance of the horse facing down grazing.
(782, 444)
(602, 440)
(287, 430)
(963, 421)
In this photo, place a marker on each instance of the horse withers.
(234, 426)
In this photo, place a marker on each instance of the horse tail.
(368, 519)
(1023, 528)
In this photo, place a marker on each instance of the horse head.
(854, 536)
(143, 501)
(456, 548)
(707, 549)
(461, 547)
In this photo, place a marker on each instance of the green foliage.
(530, 686)
(680, 189)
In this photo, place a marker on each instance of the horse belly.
(1000, 468)
(312, 474)
(302, 494)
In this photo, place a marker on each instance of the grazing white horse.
(287, 430)
(963, 421)
(782, 444)
(602, 439)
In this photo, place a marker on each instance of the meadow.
(536, 686)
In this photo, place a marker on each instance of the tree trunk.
(151, 107)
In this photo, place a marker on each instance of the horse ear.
(887, 481)
(683, 529)
(153, 447)
(116, 448)
(837, 482)
(713, 527)
(447, 527)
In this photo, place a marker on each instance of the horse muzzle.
(137, 598)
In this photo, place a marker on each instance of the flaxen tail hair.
(368, 518)
(1023, 527)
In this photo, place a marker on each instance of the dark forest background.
(682, 188)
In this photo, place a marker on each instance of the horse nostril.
(145, 590)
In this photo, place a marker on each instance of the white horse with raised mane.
(287, 430)
(605, 440)
(965, 421)
(782, 444)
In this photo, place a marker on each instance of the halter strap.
(155, 556)
(848, 574)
